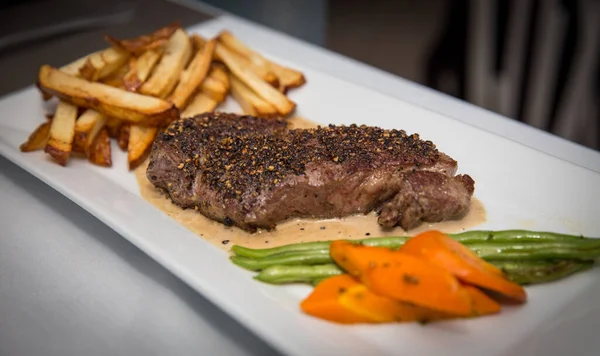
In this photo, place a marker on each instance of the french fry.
(74, 67)
(143, 43)
(251, 103)
(219, 72)
(140, 142)
(38, 138)
(123, 136)
(259, 69)
(140, 69)
(100, 150)
(283, 105)
(92, 123)
(166, 74)
(288, 78)
(214, 88)
(118, 103)
(85, 124)
(62, 131)
(101, 64)
(193, 76)
(199, 104)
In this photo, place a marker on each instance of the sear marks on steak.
(254, 173)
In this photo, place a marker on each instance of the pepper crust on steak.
(254, 173)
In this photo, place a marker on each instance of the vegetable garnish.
(432, 276)
(402, 277)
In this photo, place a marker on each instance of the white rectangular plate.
(519, 187)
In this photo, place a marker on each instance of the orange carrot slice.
(360, 300)
(442, 251)
(323, 301)
(482, 304)
(403, 277)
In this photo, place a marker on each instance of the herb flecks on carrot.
(444, 252)
(324, 303)
(403, 277)
(361, 300)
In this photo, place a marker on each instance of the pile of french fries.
(133, 89)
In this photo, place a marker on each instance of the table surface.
(69, 285)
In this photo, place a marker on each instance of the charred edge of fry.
(45, 96)
(132, 82)
(87, 70)
(100, 150)
(123, 137)
(38, 139)
(79, 140)
(114, 126)
(58, 151)
(144, 42)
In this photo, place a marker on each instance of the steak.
(254, 173)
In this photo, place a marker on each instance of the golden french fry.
(140, 142)
(193, 76)
(141, 69)
(288, 78)
(143, 43)
(118, 103)
(62, 131)
(214, 88)
(87, 128)
(123, 136)
(219, 72)
(178, 51)
(261, 71)
(83, 127)
(199, 104)
(99, 65)
(38, 139)
(251, 103)
(283, 105)
(100, 150)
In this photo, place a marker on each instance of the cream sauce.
(293, 230)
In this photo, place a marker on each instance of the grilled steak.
(253, 173)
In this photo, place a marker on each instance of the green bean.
(391, 242)
(536, 272)
(297, 274)
(397, 241)
(292, 259)
(583, 250)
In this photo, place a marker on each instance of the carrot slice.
(360, 300)
(444, 252)
(482, 304)
(323, 301)
(403, 277)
